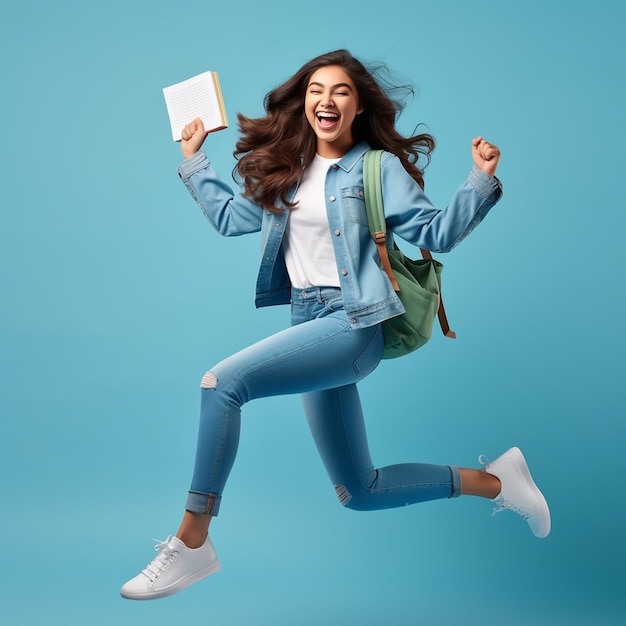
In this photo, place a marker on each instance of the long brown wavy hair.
(273, 150)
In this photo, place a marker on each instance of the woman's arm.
(229, 213)
(412, 216)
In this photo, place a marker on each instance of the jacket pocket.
(354, 205)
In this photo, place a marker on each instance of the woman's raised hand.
(193, 136)
(486, 156)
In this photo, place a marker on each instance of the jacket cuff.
(484, 184)
(194, 164)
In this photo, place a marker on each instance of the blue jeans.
(321, 357)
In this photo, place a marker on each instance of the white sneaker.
(175, 567)
(519, 493)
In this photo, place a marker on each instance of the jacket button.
(332, 198)
(344, 272)
(337, 232)
(352, 320)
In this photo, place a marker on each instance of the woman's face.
(331, 103)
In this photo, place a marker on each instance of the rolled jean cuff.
(456, 481)
(204, 503)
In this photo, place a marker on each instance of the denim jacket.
(368, 296)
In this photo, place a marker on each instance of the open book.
(200, 96)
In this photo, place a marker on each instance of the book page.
(199, 96)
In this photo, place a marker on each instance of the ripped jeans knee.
(209, 381)
(343, 494)
(359, 501)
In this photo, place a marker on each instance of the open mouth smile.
(327, 119)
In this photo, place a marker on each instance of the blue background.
(117, 296)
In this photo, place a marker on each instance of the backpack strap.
(373, 192)
(372, 188)
(441, 312)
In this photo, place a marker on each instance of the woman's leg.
(336, 421)
(323, 352)
(320, 351)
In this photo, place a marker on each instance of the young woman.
(302, 171)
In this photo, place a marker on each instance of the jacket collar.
(349, 160)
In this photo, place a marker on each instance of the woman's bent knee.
(355, 501)
(209, 381)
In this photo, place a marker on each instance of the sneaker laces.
(507, 505)
(165, 557)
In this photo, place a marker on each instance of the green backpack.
(417, 283)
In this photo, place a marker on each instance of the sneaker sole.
(523, 467)
(175, 587)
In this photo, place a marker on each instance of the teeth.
(327, 115)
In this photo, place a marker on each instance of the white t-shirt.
(307, 244)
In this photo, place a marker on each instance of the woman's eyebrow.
(333, 87)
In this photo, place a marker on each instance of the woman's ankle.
(478, 483)
(194, 529)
